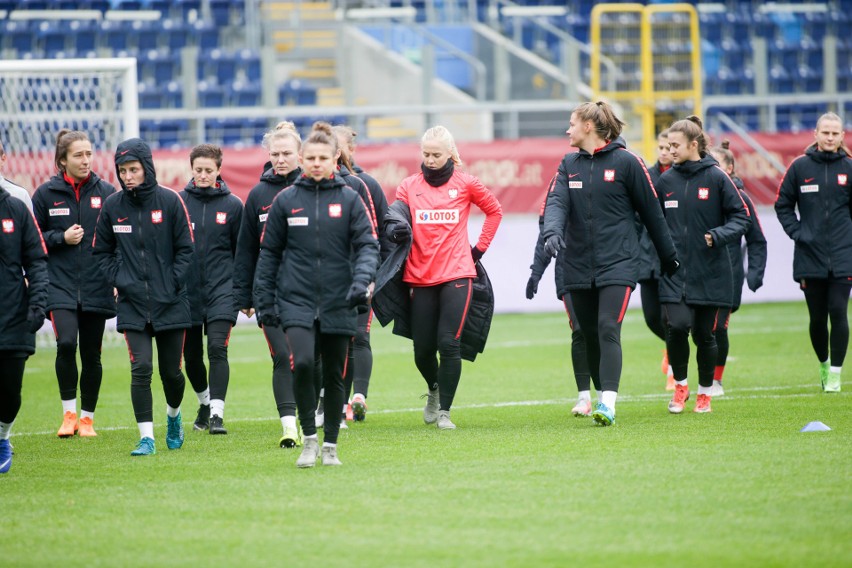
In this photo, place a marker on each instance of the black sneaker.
(202, 419)
(216, 425)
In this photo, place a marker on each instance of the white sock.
(359, 395)
(704, 390)
(328, 445)
(716, 382)
(5, 429)
(69, 406)
(834, 370)
(217, 407)
(670, 372)
(608, 399)
(584, 395)
(146, 429)
(599, 394)
(87, 414)
(313, 437)
(288, 422)
(683, 383)
(172, 412)
(322, 392)
(204, 396)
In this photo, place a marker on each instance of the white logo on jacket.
(262, 217)
(297, 221)
(575, 185)
(437, 216)
(841, 179)
(8, 226)
(59, 212)
(335, 210)
(609, 175)
(704, 193)
(157, 216)
(221, 218)
(671, 204)
(453, 193)
(122, 229)
(813, 188)
(95, 202)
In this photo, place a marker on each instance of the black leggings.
(169, 351)
(579, 361)
(67, 326)
(359, 367)
(828, 300)
(600, 312)
(721, 332)
(282, 373)
(649, 291)
(305, 345)
(11, 381)
(437, 320)
(218, 336)
(682, 318)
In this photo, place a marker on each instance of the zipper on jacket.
(685, 221)
(591, 223)
(202, 280)
(80, 252)
(145, 271)
(317, 287)
(826, 207)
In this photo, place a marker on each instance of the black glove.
(476, 254)
(532, 286)
(358, 296)
(553, 245)
(669, 267)
(270, 320)
(35, 319)
(754, 284)
(398, 232)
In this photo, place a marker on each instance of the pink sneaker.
(681, 395)
(702, 404)
(582, 408)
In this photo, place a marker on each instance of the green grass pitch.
(520, 483)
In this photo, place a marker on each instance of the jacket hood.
(136, 149)
(327, 183)
(612, 145)
(221, 188)
(692, 167)
(824, 157)
(269, 176)
(4, 195)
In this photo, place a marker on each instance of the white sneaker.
(433, 404)
(582, 408)
(716, 389)
(329, 456)
(444, 422)
(310, 451)
(344, 425)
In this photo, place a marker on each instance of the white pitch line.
(546, 402)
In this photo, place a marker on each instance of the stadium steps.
(385, 129)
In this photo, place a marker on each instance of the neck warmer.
(437, 178)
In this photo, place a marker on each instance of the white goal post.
(39, 97)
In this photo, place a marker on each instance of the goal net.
(38, 98)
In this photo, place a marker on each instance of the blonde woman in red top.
(440, 267)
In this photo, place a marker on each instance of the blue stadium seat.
(174, 34)
(220, 11)
(780, 80)
(184, 7)
(210, 95)
(296, 92)
(173, 95)
(84, 35)
(17, 35)
(217, 64)
(205, 35)
(248, 64)
(807, 79)
(243, 94)
(150, 96)
(115, 35)
(52, 38)
(127, 4)
(159, 66)
(145, 35)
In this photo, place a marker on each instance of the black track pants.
(169, 353)
(579, 360)
(828, 300)
(218, 336)
(11, 381)
(682, 319)
(649, 291)
(282, 373)
(68, 325)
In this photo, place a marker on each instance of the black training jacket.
(256, 211)
(215, 214)
(320, 236)
(818, 185)
(755, 249)
(649, 262)
(593, 203)
(75, 279)
(23, 274)
(699, 197)
(143, 244)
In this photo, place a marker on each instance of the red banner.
(517, 171)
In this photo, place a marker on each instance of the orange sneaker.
(681, 395)
(702, 404)
(670, 383)
(87, 428)
(664, 366)
(69, 425)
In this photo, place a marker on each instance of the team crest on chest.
(8, 226)
(95, 202)
(704, 193)
(157, 216)
(453, 193)
(841, 179)
(221, 218)
(335, 209)
(609, 175)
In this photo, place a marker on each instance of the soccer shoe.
(5, 456)
(291, 438)
(444, 422)
(87, 428)
(670, 383)
(202, 419)
(433, 404)
(348, 413)
(832, 383)
(824, 369)
(217, 425)
(681, 395)
(664, 366)
(310, 451)
(716, 389)
(329, 456)
(702, 404)
(359, 408)
(603, 415)
(145, 447)
(320, 415)
(174, 432)
(69, 425)
(343, 424)
(582, 408)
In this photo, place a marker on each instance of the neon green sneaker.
(292, 438)
(832, 383)
(823, 374)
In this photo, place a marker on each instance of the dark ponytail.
(693, 129)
